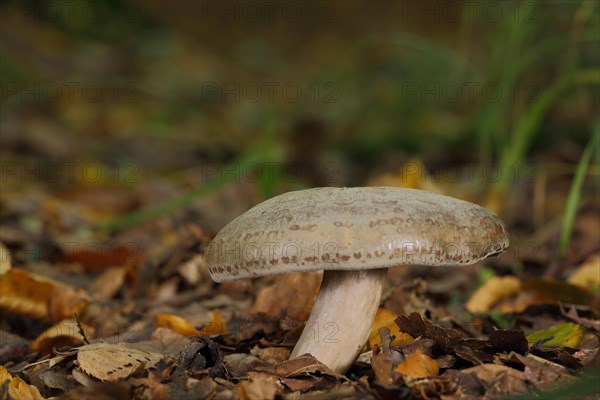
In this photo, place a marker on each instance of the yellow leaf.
(418, 365)
(386, 318)
(587, 275)
(176, 324)
(566, 334)
(5, 264)
(18, 388)
(216, 326)
(492, 292)
(412, 174)
(40, 298)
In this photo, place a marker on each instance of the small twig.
(81, 330)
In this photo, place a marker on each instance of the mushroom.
(354, 235)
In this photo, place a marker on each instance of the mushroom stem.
(341, 319)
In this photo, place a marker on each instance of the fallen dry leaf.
(111, 362)
(418, 365)
(5, 263)
(443, 338)
(108, 284)
(176, 324)
(587, 275)
(492, 292)
(500, 379)
(259, 389)
(216, 326)
(98, 258)
(40, 298)
(302, 373)
(387, 318)
(65, 333)
(272, 355)
(203, 356)
(291, 294)
(152, 387)
(382, 367)
(16, 388)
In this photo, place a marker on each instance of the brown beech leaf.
(111, 362)
(40, 298)
(443, 338)
(544, 373)
(500, 379)
(272, 355)
(382, 367)
(238, 364)
(302, 373)
(260, 388)
(305, 364)
(291, 294)
(152, 387)
(418, 365)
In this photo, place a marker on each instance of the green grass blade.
(575, 192)
(170, 206)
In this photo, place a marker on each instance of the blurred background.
(128, 120)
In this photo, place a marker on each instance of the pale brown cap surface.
(354, 229)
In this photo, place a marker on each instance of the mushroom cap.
(354, 229)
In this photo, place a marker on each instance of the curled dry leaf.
(203, 356)
(65, 333)
(17, 388)
(302, 373)
(387, 318)
(110, 362)
(216, 325)
(418, 365)
(176, 324)
(492, 292)
(40, 298)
